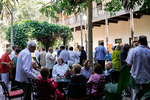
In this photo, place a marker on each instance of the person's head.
(17, 51)
(81, 48)
(57, 48)
(109, 65)
(33, 64)
(76, 68)
(39, 48)
(102, 43)
(50, 49)
(43, 49)
(112, 47)
(98, 68)
(60, 61)
(142, 40)
(87, 64)
(45, 71)
(62, 47)
(135, 44)
(107, 51)
(31, 46)
(71, 48)
(8, 50)
(15, 47)
(126, 47)
(118, 47)
(66, 47)
(78, 46)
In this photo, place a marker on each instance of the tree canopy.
(52, 8)
(43, 32)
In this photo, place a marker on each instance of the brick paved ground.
(2, 97)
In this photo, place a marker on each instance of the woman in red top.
(52, 83)
(4, 66)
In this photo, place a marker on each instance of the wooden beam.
(119, 18)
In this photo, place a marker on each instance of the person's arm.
(95, 55)
(51, 57)
(27, 65)
(36, 55)
(39, 57)
(129, 59)
(105, 52)
(54, 73)
(91, 79)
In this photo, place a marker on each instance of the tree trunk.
(90, 35)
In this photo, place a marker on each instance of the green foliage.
(113, 91)
(144, 92)
(124, 79)
(68, 7)
(19, 37)
(111, 88)
(43, 32)
(113, 6)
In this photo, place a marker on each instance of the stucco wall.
(118, 30)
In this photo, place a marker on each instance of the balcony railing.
(97, 11)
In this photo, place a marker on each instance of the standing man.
(100, 55)
(12, 55)
(139, 59)
(41, 58)
(37, 54)
(123, 54)
(50, 60)
(24, 69)
(64, 54)
(73, 56)
(56, 53)
(83, 55)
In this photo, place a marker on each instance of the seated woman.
(77, 78)
(87, 69)
(77, 90)
(98, 70)
(60, 68)
(45, 71)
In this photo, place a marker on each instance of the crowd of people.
(49, 65)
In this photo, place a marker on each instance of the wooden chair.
(11, 94)
(40, 90)
(76, 91)
(100, 86)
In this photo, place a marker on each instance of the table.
(62, 83)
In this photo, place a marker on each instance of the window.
(99, 6)
(118, 41)
(99, 42)
(135, 39)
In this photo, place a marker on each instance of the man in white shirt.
(50, 60)
(37, 54)
(60, 68)
(64, 54)
(24, 69)
(138, 58)
(73, 56)
(12, 55)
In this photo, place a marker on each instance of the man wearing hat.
(100, 55)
